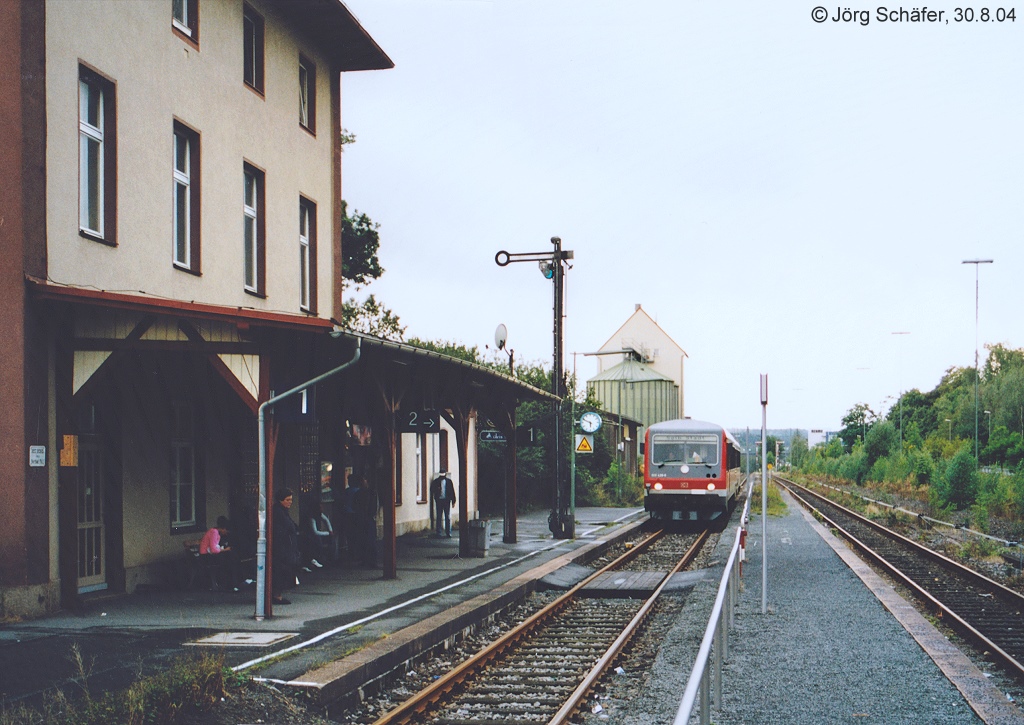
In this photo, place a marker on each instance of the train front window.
(690, 448)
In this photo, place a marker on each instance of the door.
(92, 574)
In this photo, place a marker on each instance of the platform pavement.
(836, 643)
(121, 636)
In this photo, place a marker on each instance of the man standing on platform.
(443, 492)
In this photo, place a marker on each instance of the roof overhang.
(335, 30)
(242, 316)
(410, 353)
(245, 317)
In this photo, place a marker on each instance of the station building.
(170, 225)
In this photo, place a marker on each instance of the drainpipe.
(261, 538)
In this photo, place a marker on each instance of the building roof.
(631, 371)
(637, 312)
(334, 28)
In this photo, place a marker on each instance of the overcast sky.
(780, 195)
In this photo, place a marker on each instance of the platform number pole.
(764, 494)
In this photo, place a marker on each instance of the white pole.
(764, 494)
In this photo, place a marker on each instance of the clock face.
(590, 422)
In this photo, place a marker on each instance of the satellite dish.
(501, 336)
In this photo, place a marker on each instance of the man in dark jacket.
(442, 490)
(286, 546)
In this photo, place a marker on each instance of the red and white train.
(691, 470)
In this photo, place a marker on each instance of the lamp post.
(949, 431)
(764, 494)
(900, 376)
(988, 413)
(976, 262)
(552, 265)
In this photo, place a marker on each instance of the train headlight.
(658, 487)
(711, 487)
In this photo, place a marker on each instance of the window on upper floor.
(185, 254)
(97, 160)
(254, 236)
(185, 19)
(252, 38)
(307, 255)
(307, 94)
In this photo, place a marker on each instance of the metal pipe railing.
(707, 671)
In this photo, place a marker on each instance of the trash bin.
(479, 537)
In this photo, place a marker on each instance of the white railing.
(707, 669)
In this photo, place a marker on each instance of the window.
(254, 220)
(97, 163)
(252, 35)
(307, 94)
(307, 255)
(185, 19)
(186, 199)
(689, 448)
(183, 467)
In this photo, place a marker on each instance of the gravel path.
(826, 652)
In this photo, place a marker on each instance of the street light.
(989, 414)
(949, 433)
(976, 262)
(900, 376)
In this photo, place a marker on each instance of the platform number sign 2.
(419, 421)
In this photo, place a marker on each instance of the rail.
(716, 636)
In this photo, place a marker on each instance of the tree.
(360, 242)
(881, 441)
(371, 318)
(855, 424)
(451, 349)
(798, 449)
(959, 487)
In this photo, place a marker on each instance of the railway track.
(541, 671)
(980, 608)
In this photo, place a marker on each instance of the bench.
(197, 565)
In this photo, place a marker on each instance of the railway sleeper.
(557, 650)
(515, 675)
(503, 704)
(516, 690)
(490, 721)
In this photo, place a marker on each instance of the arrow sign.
(584, 443)
(419, 421)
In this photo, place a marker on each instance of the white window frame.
(304, 94)
(182, 186)
(179, 16)
(250, 243)
(305, 285)
(183, 460)
(91, 189)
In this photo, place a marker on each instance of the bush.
(853, 467)
(959, 486)
(923, 467)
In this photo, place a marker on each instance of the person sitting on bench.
(214, 543)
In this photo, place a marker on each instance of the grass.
(189, 682)
(776, 506)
